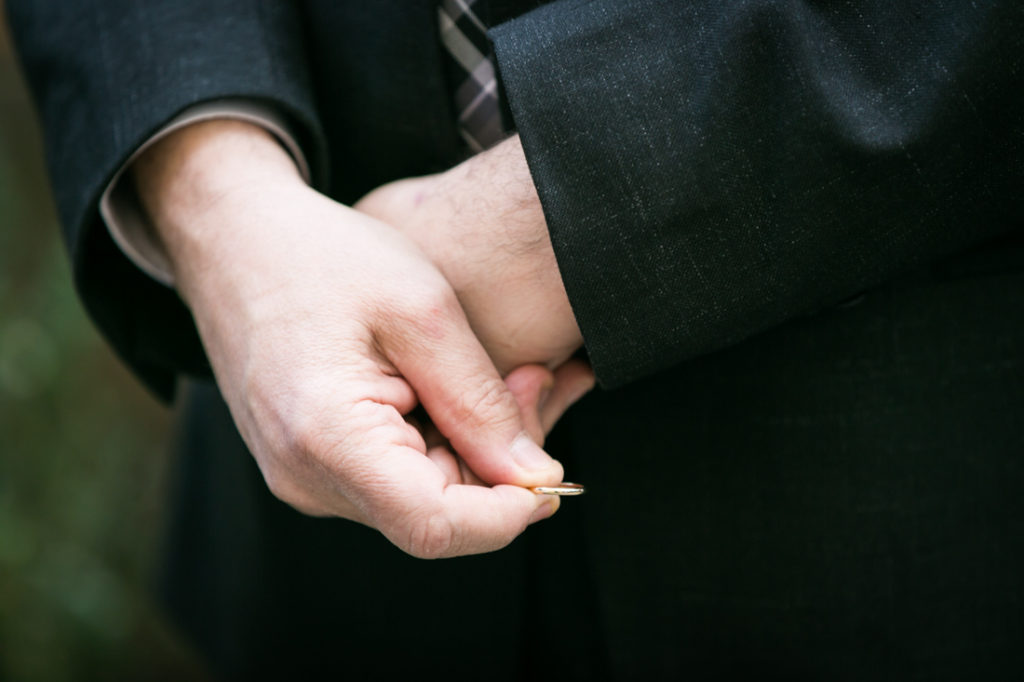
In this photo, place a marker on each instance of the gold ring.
(563, 488)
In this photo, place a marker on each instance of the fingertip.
(573, 380)
(486, 519)
(578, 375)
(535, 463)
(530, 380)
(546, 509)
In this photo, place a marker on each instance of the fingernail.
(544, 511)
(528, 454)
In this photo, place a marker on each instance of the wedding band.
(563, 488)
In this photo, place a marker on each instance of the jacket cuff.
(709, 171)
(555, 71)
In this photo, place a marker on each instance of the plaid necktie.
(471, 64)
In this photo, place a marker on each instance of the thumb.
(471, 405)
(544, 396)
(572, 381)
(530, 386)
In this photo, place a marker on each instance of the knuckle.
(313, 434)
(489, 400)
(305, 437)
(432, 537)
(428, 312)
(284, 489)
(293, 462)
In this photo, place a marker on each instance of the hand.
(543, 397)
(324, 328)
(481, 223)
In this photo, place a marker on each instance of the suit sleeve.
(709, 170)
(108, 74)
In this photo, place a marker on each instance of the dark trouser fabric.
(839, 499)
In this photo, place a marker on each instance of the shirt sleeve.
(127, 222)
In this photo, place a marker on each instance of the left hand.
(482, 225)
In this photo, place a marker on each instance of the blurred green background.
(82, 454)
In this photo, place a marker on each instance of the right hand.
(481, 223)
(324, 328)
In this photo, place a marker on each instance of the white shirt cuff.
(119, 206)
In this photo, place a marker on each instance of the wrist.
(197, 177)
(496, 181)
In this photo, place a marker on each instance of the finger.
(467, 399)
(530, 386)
(487, 519)
(307, 501)
(453, 468)
(467, 519)
(439, 450)
(446, 462)
(340, 508)
(432, 436)
(400, 490)
(573, 380)
(329, 470)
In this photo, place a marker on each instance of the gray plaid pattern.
(476, 88)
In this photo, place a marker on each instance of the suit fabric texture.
(790, 233)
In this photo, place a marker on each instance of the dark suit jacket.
(780, 484)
